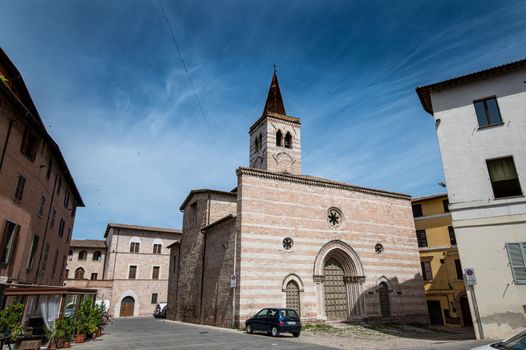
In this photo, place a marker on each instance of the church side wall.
(272, 209)
(197, 214)
(219, 265)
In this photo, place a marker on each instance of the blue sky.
(112, 90)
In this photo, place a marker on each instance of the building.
(38, 196)
(481, 131)
(446, 297)
(330, 250)
(129, 268)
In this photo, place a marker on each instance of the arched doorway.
(466, 313)
(127, 307)
(292, 295)
(335, 291)
(385, 306)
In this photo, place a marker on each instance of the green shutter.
(517, 257)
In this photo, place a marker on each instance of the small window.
(21, 183)
(9, 240)
(42, 205)
(29, 145)
(154, 298)
(44, 260)
(445, 203)
(93, 276)
(417, 210)
(427, 273)
(452, 237)
(32, 252)
(96, 255)
(49, 167)
(157, 248)
(134, 247)
(59, 186)
(279, 138)
(79, 273)
(61, 227)
(503, 176)
(421, 238)
(458, 268)
(256, 144)
(66, 198)
(155, 272)
(83, 255)
(52, 219)
(487, 111)
(66, 274)
(55, 260)
(288, 140)
(517, 259)
(132, 273)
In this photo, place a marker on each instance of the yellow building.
(441, 268)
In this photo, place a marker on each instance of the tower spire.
(274, 102)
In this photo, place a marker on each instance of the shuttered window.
(517, 257)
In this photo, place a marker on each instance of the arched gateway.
(338, 275)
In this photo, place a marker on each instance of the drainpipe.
(47, 227)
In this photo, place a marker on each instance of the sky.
(110, 85)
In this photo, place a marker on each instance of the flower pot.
(99, 332)
(52, 345)
(79, 338)
(94, 336)
(66, 344)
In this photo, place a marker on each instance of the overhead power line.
(196, 95)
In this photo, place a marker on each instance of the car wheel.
(274, 332)
(296, 334)
(249, 329)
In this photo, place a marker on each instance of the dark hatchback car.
(275, 321)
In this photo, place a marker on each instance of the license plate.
(291, 322)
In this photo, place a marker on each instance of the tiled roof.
(433, 196)
(142, 228)
(424, 92)
(88, 243)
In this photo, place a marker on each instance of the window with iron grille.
(487, 111)
(427, 273)
(29, 145)
(132, 273)
(19, 191)
(517, 259)
(421, 238)
(9, 241)
(154, 298)
(452, 237)
(155, 272)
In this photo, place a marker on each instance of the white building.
(480, 120)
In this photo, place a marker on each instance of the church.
(330, 250)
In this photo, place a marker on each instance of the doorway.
(127, 307)
(435, 312)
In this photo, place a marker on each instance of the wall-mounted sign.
(233, 281)
(470, 276)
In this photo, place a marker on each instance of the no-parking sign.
(470, 276)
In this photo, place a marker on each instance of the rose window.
(288, 243)
(334, 218)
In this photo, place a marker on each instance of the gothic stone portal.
(335, 293)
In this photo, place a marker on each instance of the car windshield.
(288, 313)
(517, 342)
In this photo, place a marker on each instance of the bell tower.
(275, 137)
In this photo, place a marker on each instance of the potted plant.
(11, 322)
(53, 334)
(67, 328)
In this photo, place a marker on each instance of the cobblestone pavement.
(149, 333)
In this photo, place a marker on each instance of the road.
(149, 333)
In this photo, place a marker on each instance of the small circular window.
(334, 218)
(288, 243)
(379, 248)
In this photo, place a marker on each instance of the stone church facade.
(330, 250)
